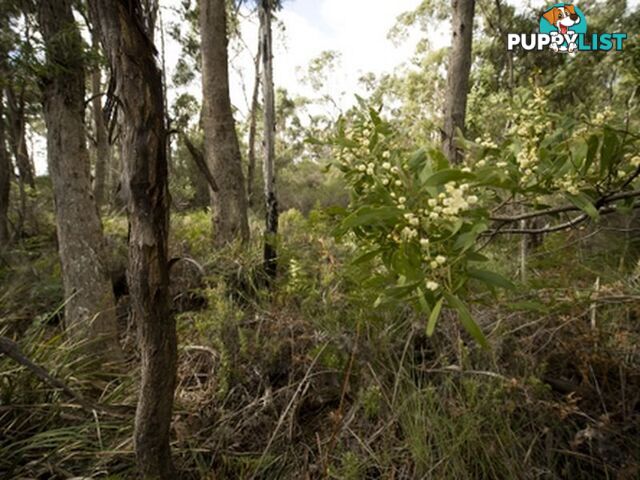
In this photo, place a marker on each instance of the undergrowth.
(313, 381)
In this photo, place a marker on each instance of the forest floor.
(312, 381)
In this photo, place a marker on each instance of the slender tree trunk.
(103, 149)
(458, 76)
(139, 89)
(90, 307)
(5, 173)
(253, 123)
(18, 134)
(222, 151)
(165, 100)
(271, 203)
(5, 162)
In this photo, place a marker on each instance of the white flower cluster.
(445, 208)
(486, 142)
(569, 183)
(527, 161)
(529, 125)
(376, 170)
(603, 117)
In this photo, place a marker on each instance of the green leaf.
(314, 141)
(579, 150)
(366, 216)
(418, 159)
(466, 240)
(375, 117)
(438, 159)
(366, 257)
(476, 257)
(422, 302)
(467, 320)
(594, 143)
(491, 278)
(433, 318)
(609, 150)
(584, 203)
(446, 176)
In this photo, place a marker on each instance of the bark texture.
(5, 162)
(90, 307)
(253, 127)
(139, 89)
(271, 202)
(18, 134)
(458, 76)
(5, 175)
(222, 152)
(103, 148)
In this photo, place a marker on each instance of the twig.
(456, 369)
(556, 228)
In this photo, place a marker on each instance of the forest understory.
(310, 381)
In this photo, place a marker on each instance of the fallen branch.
(12, 350)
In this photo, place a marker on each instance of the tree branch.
(198, 158)
(556, 228)
(567, 208)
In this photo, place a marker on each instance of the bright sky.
(357, 29)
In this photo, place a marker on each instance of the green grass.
(272, 371)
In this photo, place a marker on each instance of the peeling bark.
(90, 304)
(222, 152)
(139, 89)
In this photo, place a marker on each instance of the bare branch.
(556, 228)
(198, 158)
(567, 208)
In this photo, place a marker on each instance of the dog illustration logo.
(566, 23)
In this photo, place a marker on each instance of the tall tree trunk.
(18, 134)
(221, 147)
(90, 307)
(253, 123)
(271, 203)
(458, 76)
(5, 162)
(139, 89)
(5, 172)
(103, 149)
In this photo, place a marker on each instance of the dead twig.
(12, 350)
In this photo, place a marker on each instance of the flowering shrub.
(416, 219)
